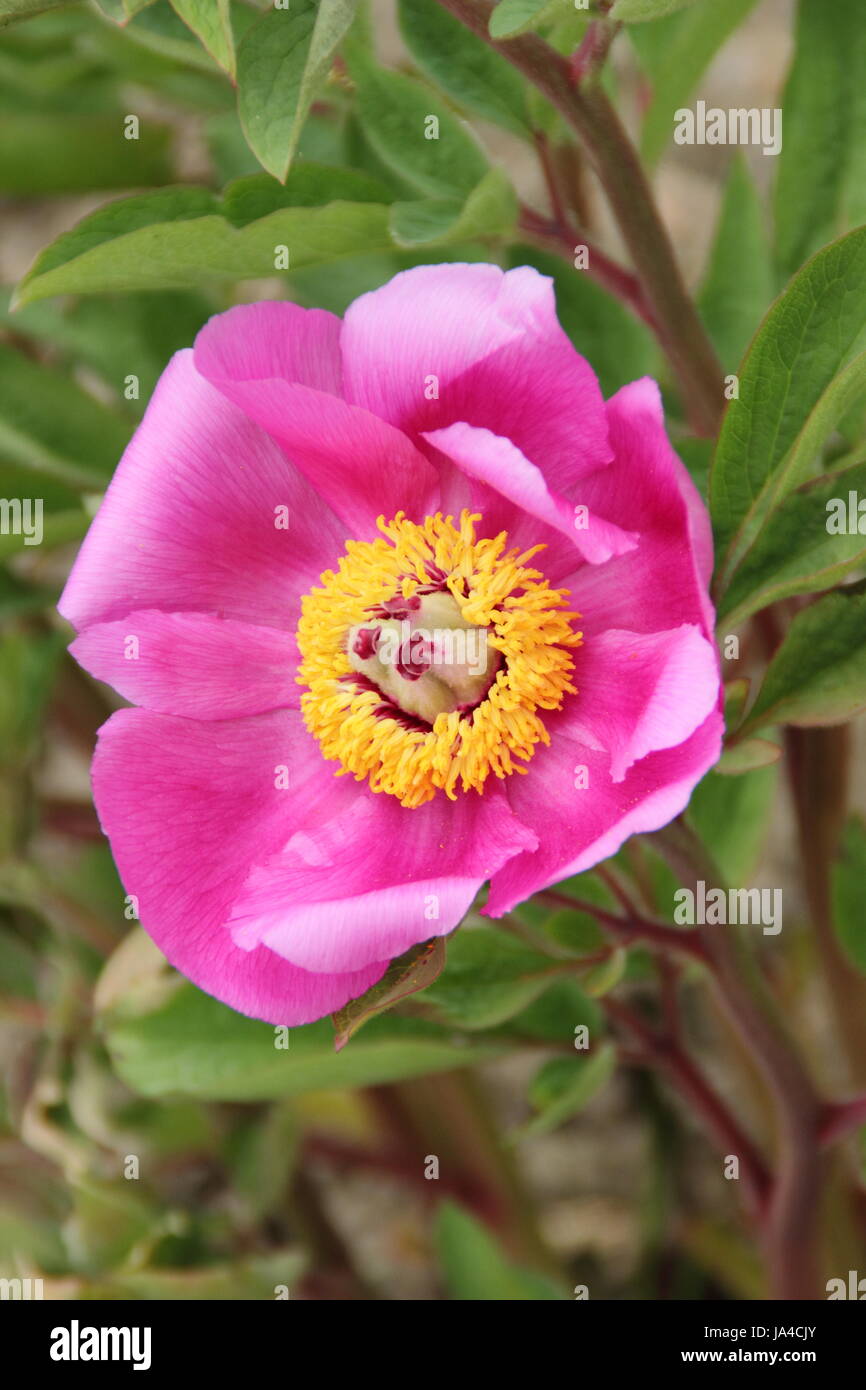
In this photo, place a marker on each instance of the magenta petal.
(189, 809)
(361, 465)
(193, 664)
(190, 520)
(444, 343)
(497, 462)
(274, 338)
(591, 821)
(662, 582)
(639, 692)
(377, 878)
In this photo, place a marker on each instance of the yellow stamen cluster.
(493, 588)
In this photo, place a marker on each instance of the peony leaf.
(475, 1268)
(490, 976)
(472, 74)
(405, 976)
(818, 675)
(748, 755)
(565, 1085)
(489, 211)
(184, 1043)
(210, 21)
(183, 236)
(414, 133)
(512, 17)
(795, 553)
(805, 339)
(12, 10)
(639, 11)
(821, 173)
(282, 61)
(739, 279)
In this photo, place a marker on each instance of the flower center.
(427, 655)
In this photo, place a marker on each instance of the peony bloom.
(403, 606)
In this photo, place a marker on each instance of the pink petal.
(377, 879)
(590, 823)
(662, 582)
(639, 692)
(193, 664)
(500, 360)
(273, 338)
(362, 466)
(189, 520)
(189, 808)
(497, 462)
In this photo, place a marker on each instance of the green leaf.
(476, 1269)
(46, 153)
(489, 976)
(50, 426)
(180, 237)
(512, 17)
(601, 979)
(818, 675)
(848, 875)
(58, 528)
(638, 11)
(676, 64)
(405, 976)
(795, 553)
(12, 10)
(489, 211)
(282, 61)
(739, 281)
(565, 1085)
(413, 132)
(473, 75)
(619, 347)
(210, 21)
(820, 184)
(804, 340)
(743, 757)
(178, 1041)
(732, 814)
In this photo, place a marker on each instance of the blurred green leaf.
(676, 53)
(637, 11)
(743, 757)
(804, 340)
(512, 17)
(473, 75)
(11, 10)
(818, 675)
(732, 814)
(821, 183)
(63, 153)
(414, 133)
(49, 425)
(190, 1044)
(564, 1085)
(210, 21)
(739, 281)
(474, 1267)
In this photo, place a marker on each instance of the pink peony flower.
(404, 606)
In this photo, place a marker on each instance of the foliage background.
(261, 1167)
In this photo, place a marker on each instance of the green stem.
(588, 111)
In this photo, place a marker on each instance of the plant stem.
(633, 928)
(791, 1232)
(588, 111)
